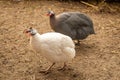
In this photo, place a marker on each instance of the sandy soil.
(97, 58)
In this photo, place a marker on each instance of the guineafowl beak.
(48, 14)
(30, 31)
(27, 32)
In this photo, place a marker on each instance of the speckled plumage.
(74, 24)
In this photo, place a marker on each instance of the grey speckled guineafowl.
(74, 24)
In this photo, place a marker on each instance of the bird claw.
(62, 69)
(65, 68)
(45, 72)
(77, 44)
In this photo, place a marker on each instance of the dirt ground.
(97, 58)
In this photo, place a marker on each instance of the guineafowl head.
(30, 31)
(50, 13)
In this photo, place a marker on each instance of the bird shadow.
(84, 48)
(69, 74)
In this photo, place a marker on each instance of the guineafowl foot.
(66, 68)
(77, 43)
(45, 72)
(48, 70)
(63, 68)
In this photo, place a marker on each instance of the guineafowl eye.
(50, 13)
(32, 31)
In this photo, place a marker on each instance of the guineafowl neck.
(35, 42)
(52, 21)
(35, 37)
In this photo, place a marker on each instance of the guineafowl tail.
(81, 34)
(93, 32)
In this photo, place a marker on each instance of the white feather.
(55, 47)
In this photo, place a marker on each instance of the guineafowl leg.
(78, 43)
(51, 66)
(63, 68)
(48, 70)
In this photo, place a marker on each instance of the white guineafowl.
(55, 47)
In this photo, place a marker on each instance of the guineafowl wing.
(66, 29)
(67, 42)
(80, 21)
(74, 21)
(62, 17)
(68, 47)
